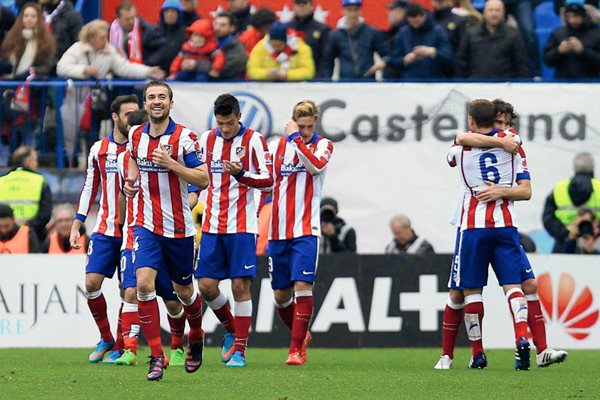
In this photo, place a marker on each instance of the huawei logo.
(568, 305)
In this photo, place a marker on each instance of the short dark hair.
(263, 17)
(115, 106)
(158, 83)
(124, 6)
(227, 104)
(414, 10)
(503, 107)
(137, 117)
(483, 113)
(226, 14)
(6, 211)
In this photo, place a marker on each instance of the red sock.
(287, 314)
(225, 317)
(518, 309)
(537, 325)
(131, 330)
(150, 322)
(302, 315)
(177, 326)
(473, 314)
(98, 308)
(450, 325)
(194, 317)
(242, 322)
(119, 339)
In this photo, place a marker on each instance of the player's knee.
(92, 285)
(184, 292)
(208, 290)
(130, 295)
(240, 287)
(282, 296)
(529, 286)
(456, 296)
(302, 286)
(173, 307)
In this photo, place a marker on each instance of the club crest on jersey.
(169, 149)
(199, 154)
(240, 151)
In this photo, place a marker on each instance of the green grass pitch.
(329, 374)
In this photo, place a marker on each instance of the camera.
(585, 229)
(327, 214)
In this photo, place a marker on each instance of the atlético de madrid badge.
(240, 151)
(169, 149)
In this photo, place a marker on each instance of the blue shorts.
(524, 265)
(225, 256)
(164, 287)
(292, 260)
(170, 255)
(103, 255)
(478, 248)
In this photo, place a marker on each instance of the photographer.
(583, 234)
(337, 237)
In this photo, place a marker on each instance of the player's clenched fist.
(161, 158)
(130, 188)
(290, 127)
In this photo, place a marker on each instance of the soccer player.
(301, 160)
(164, 287)
(453, 312)
(164, 159)
(238, 162)
(487, 231)
(105, 242)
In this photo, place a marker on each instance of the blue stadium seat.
(544, 16)
(543, 241)
(543, 34)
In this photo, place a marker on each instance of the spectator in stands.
(172, 29)
(64, 23)
(94, 57)
(405, 239)
(421, 47)
(522, 11)
(574, 49)
(591, 7)
(315, 33)
(582, 190)
(242, 13)
(135, 39)
(202, 48)
(466, 10)
(492, 49)
(354, 45)
(396, 20)
(7, 20)
(582, 234)
(336, 235)
(27, 191)
(235, 53)
(58, 241)
(15, 239)
(260, 23)
(28, 47)
(281, 56)
(453, 24)
(189, 13)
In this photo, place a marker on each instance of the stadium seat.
(543, 241)
(543, 34)
(544, 16)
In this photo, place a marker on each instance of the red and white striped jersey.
(102, 172)
(130, 203)
(299, 173)
(477, 165)
(230, 203)
(162, 203)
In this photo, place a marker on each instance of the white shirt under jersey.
(102, 173)
(477, 165)
(230, 201)
(162, 201)
(299, 174)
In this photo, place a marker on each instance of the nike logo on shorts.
(248, 266)
(186, 277)
(307, 273)
(528, 270)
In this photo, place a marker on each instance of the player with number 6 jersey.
(301, 158)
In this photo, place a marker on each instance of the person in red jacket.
(200, 50)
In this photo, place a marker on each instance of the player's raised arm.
(315, 162)
(508, 143)
(87, 197)
(193, 172)
(261, 158)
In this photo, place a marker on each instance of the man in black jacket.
(574, 49)
(241, 11)
(172, 29)
(492, 49)
(65, 24)
(315, 32)
(235, 53)
(337, 236)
